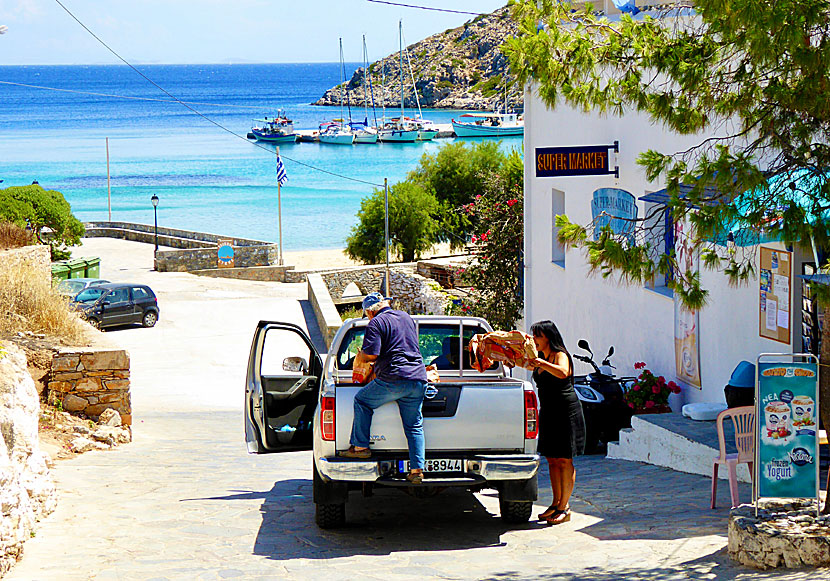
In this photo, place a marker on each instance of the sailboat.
(399, 130)
(363, 133)
(426, 128)
(336, 132)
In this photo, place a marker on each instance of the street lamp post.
(155, 201)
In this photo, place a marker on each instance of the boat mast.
(341, 83)
(414, 88)
(345, 87)
(365, 80)
(400, 49)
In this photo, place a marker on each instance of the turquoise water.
(206, 179)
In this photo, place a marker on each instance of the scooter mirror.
(583, 344)
(610, 352)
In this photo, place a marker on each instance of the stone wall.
(172, 237)
(784, 534)
(261, 273)
(326, 314)
(27, 491)
(38, 256)
(187, 260)
(90, 380)
(416, 294)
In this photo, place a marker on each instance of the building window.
(558, 249)
(660, 236)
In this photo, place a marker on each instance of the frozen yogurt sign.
(787, 443)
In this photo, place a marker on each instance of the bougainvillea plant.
(495, 273)
(649, 391)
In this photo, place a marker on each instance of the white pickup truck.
(480, 428)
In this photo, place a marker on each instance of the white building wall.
(639, 322)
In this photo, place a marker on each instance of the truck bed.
(481, 415)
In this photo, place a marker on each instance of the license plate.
(435, 465)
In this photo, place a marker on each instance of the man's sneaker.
(352, 453)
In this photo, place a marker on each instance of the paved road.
(184, 500)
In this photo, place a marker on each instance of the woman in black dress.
(561, 424)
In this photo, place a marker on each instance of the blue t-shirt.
(391, 335)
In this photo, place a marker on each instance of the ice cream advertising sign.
(786, 421)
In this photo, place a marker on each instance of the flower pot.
(658, 409)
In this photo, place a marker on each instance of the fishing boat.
(398, 130)
(279, 129)
(489, 125)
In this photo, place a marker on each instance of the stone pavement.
(185, 500)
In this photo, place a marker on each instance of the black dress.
(561, 424)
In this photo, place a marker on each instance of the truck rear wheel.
(515, 511)
(330, 516)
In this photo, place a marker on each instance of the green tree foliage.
(751, 78)
(455, 175)
(43, 210)
(495, 274)
(412, 226)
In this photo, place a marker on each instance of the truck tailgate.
(461, 416)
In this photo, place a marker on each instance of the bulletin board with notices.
(775, 277)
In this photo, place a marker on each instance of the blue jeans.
(410, 397)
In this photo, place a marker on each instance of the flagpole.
(109, 194)
(279, 204)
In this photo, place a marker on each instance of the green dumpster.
(77, 267)
(93, 267)
(59, 271)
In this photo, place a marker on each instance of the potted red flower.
(650, 393)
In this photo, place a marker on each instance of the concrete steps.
(674, 441)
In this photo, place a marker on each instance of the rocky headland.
(460, 68)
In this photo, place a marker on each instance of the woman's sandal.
(548, 513)
(560, 516)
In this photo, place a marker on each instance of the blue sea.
(206, 178)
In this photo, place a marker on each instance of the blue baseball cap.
(372, 299)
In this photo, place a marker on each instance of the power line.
(424, 7)
(209, 120)
(127, 97)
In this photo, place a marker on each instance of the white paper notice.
(783, 319)
(781, 289)
(772, 315)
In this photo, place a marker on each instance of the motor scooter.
(602, 395)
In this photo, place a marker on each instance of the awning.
(816, 278)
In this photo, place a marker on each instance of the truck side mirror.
(295, 364)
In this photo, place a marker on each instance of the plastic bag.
(513, 348)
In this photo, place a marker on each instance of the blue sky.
(217, 31)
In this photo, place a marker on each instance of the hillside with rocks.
(461, 68)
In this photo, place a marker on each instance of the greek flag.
(282, 177)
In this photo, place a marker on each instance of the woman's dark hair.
(549, 331)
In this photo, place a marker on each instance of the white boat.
(279, 129)
(335, 133)
(338, 132)
(363, 133)
(489, 125)
(426, 129)
(399, 129)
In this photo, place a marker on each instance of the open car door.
(281, 389)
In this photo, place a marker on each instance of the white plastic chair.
(743, 420)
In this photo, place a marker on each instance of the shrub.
(13, 236)
(495, 274)
(411, 225)
(43, 210)
(29, 303)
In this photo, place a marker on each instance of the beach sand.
(336, 258)
(134, 254)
